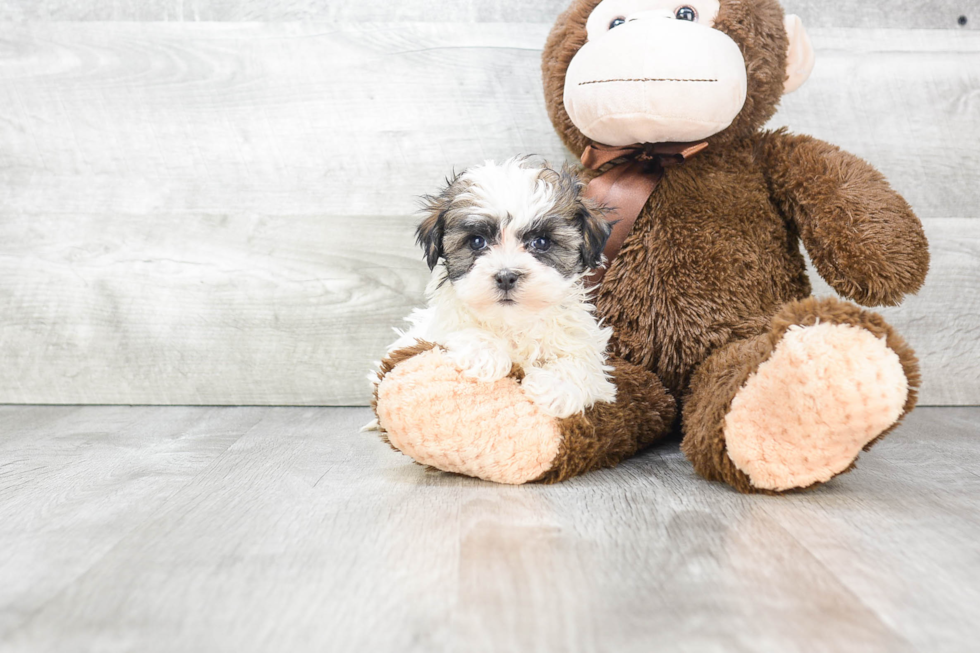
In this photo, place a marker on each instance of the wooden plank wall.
(910, 14)
(219, 212)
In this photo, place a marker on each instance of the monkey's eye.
(687, 13)
(477, 243)
(617, 22)
(541, 244)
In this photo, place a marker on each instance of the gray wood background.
(933, 14)
(198, 208)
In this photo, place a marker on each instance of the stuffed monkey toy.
(716, 336)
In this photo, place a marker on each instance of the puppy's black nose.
(507, 279)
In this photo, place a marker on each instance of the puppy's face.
(513, 235)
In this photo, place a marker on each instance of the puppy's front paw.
(552, 394)
(478, 358)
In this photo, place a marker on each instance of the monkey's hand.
(862, 236)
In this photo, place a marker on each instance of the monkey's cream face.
(513, 237)
(655, 71)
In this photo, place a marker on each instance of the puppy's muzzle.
(507, 279)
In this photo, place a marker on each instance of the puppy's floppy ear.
(590, 217)
(429, 236)
(595, 232)
(430, 232)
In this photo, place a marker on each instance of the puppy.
(509, 246)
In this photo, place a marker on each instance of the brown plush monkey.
(708, 292)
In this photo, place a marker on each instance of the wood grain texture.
(288, 530)
(897, 14)
(201, 310)
(269, 119)
(905, 100)
(190, 212)
(229, 310)
(75, 481)
(301, 119)
(909, 14)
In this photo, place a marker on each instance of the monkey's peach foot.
(826, 392)
(440, 417)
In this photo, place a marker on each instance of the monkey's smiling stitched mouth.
(648, 79)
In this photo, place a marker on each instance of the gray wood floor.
(274, 529)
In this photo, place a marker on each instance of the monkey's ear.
(800, 58)
(595, 233)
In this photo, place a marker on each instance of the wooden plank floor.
(276, 529)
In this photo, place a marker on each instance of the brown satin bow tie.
(626, 187)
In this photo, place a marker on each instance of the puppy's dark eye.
(477, 243)
(617, 22)
(541, 244)
(687, 13)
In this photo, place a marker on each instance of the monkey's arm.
(862, 236)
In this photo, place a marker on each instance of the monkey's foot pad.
(438, 417)
(825, 393)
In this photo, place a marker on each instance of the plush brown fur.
(875, 257)
(716, 253)
(721, 377)
(607, 434)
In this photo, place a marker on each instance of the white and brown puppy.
(509, 246)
